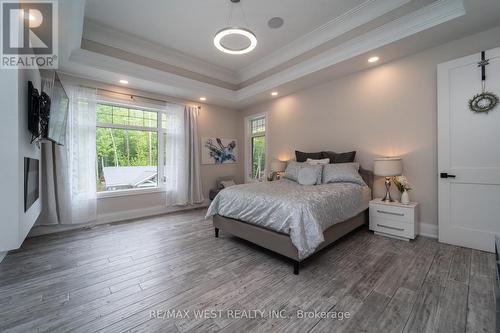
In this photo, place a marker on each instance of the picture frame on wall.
(219, 151)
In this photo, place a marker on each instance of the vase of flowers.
(403, 186)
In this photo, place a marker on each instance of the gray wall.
(387, 110)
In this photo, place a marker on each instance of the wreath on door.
(484, 101)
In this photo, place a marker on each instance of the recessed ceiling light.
(123, 81)
(373, 59)
(203, 98)
(274, 93)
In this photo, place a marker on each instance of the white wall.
(214, 121)
(387, 110)
(15, 137)
(9, 159)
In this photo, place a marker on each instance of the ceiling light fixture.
(232, 31)
(203, 99)
(123, 81)
(274, 93)
(373, 59)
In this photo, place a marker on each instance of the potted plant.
(403, 186)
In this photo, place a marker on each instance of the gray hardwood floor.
(111, 278)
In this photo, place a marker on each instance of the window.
(257, 147)
(128, 147)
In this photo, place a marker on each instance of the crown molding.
(357, 16)
(427, 17)
(93, 65)
(108, 69)
(132, 44)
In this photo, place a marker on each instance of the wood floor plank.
(395, 315)
(460, 265)
(424, 313)
(109, 278)
(369, 313)
(481, 305)
(452, 311)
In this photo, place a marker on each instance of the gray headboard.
(367, 176)
(223, 178)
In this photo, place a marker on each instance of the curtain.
(194, 193)
(182, 161)
(81, 156)
(70, 170)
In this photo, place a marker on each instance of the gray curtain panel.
(194, 193)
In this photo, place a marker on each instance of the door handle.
(446, 175)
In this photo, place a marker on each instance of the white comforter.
(303, 212)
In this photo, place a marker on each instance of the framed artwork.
(218, 151)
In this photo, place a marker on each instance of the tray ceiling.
(166, 46)
(189, 26)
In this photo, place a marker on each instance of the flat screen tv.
(58, 115)
(33, 111)
(31, 182)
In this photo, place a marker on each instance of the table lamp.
(388, 167)
(277, 167)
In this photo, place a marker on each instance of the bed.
(290, 219)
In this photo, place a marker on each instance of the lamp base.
(388, 197)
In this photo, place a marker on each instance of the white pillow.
(318, 162)
(227, 183)
(307, 176)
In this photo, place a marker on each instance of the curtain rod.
(143, 97)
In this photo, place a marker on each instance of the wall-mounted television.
(33, 111)
(48, 111)
(31, 182)
(58, 115)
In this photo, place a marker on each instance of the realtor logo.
(29, 34)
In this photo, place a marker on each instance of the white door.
(469, 149)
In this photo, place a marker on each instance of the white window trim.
(248, 145)
(127, 192)
(160, 133)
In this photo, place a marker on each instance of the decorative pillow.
(342, 173)
(302, 157)
(293, 168)
(339, 157)
(318, 162)
(227, 183)
(307, 176)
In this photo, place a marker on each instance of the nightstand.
(393, 219)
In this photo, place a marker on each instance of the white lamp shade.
(388, 166)
(278, 166)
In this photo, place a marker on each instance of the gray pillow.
(293, 168)
(307, 176)
(302, 157)
(342, 173)
(339, 157)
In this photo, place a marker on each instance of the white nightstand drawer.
(395, 228)
(392, 213)
(393, 219)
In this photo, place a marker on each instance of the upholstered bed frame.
(281, 243)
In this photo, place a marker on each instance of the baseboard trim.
(428, 230)
(115, 217)
(145, 212)
(2, 256)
